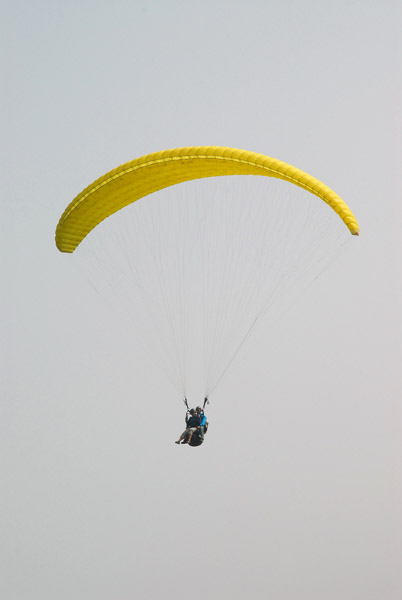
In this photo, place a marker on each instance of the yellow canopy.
(159, 170)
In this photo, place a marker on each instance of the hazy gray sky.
(296, 493)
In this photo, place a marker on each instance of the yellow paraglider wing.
(159, 170)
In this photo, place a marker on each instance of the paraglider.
(159, 170)
(207, 262)
(203, 422)
(193, 422)
(196, 426)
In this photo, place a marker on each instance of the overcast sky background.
(297, 492)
